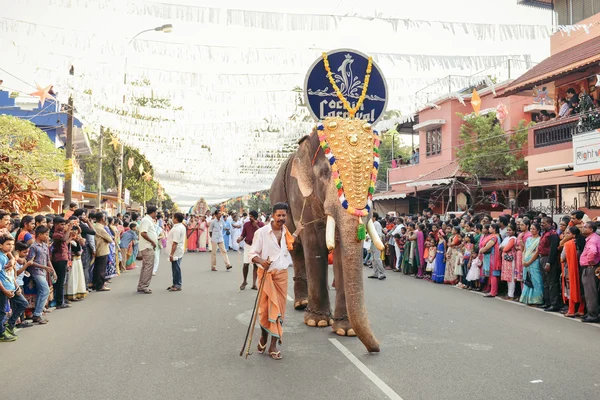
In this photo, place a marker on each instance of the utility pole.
(68, 191)
(120, 182)
(100, 168)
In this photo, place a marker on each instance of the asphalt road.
(437, 343)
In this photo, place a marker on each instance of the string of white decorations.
(307, 22)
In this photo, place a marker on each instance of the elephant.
(304, 181)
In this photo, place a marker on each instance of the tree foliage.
(385, 152)
(487, 151)
(27, 157)
(141, 190)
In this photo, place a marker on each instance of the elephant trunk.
(353, 284)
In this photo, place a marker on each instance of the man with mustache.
(270, 250)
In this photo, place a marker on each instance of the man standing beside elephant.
(270, 250)
(378, 270)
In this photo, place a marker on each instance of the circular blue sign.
(349, 68)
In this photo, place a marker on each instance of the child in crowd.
(20, 255)
(400, 240)
(9, 291)
(467, 252)
(40, 255)
(431, 252)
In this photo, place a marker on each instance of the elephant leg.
(318, 312)
(341, 324)
(300, 283)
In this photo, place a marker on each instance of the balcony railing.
(561, 131)
(555, 134)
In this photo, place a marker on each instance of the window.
(434, 142)
(571, 12)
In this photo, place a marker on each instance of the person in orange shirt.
(70, 211)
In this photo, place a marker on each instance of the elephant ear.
(301, 168)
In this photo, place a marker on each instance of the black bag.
(509, 257)
(528, 281)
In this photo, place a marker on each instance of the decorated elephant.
(328, 183)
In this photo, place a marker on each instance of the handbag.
(139, 256)
(509, 257)
(527, 281)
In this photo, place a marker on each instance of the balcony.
(554, 132)
(561, 131)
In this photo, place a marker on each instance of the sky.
(39, 38)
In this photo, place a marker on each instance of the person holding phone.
(61, 259)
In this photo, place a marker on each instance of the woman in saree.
(439, 269)
(420, 251)
(192, 235)
(495, 259)
(129, 241)
(508, 250)
(452, 255)
(113, 226)
(485, 258)
(410, 261)
(203, 233)
(75, 289)
(524, 234)
(533, 288)
(111, 265)
(571, 277)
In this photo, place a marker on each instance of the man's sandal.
(243, 286)
(261, 348)
(276, 355)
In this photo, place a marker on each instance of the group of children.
(14, 263)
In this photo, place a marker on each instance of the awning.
(444, 175)
(555, 66)
(429, 125)
(391, 195)
(435, 182)
(52, 195)
(557, 167)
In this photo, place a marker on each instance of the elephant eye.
(324, 171)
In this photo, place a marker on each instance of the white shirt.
(149, 227)
(176, 235)
(265, 245)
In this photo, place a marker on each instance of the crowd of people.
(231, 225)
(529, 259)
(47, 262)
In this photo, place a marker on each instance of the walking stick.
(250, 332)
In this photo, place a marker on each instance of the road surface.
(437, 342)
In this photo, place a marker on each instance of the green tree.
(385, 152)
(27, 157)
(487, 152)
(140, 189)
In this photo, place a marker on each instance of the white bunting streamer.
(308, 22)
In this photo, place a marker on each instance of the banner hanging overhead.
(348, 68)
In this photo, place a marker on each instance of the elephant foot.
(343, 328)
(316, 318)
(300, 304)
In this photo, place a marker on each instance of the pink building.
(564, 154)
(435, 181)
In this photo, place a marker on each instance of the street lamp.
(166, 28)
